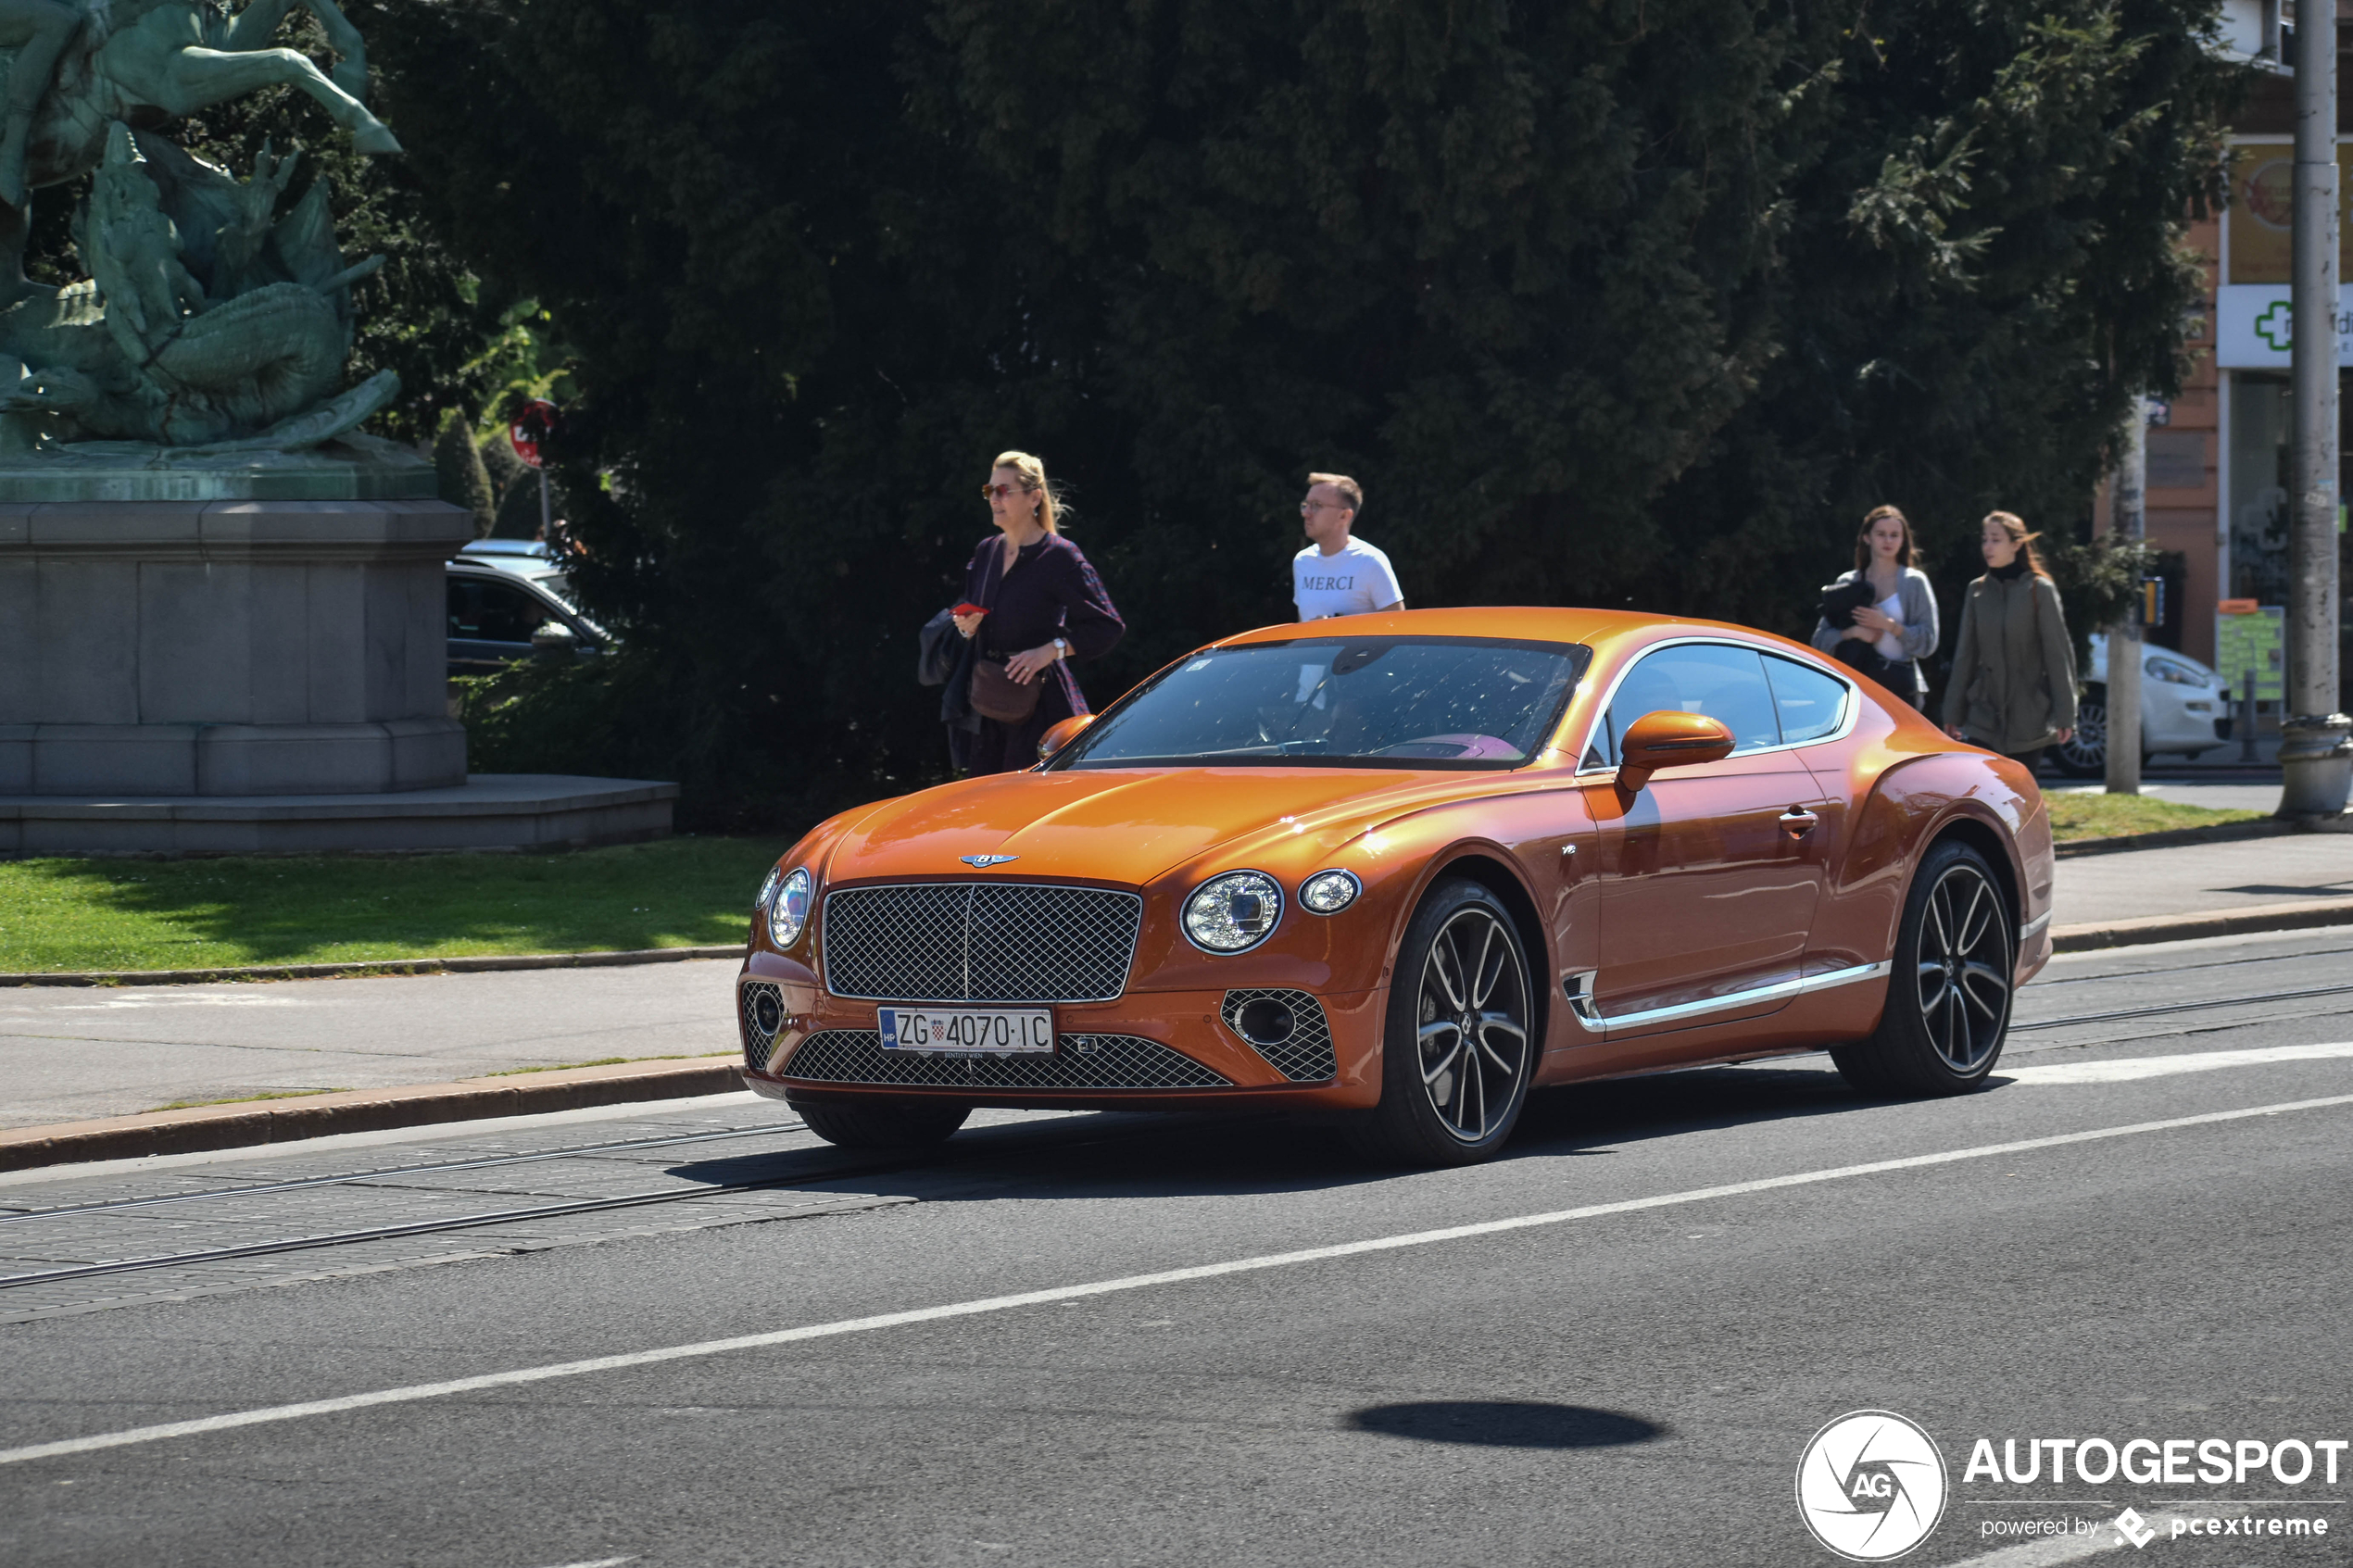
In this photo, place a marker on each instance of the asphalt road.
(1640, 1317)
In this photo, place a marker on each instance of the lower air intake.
(1082, 1061)
(1288, 1029)
(761, 1009)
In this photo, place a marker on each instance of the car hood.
(1122, 825)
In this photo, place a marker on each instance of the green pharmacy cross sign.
(2276, 326)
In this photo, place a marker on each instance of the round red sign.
(530, 427)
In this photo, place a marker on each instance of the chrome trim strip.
(2031, 927)
(1780, 990)
(1846, 726)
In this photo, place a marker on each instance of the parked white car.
(2185, 707)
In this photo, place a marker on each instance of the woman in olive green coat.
(2013, 686)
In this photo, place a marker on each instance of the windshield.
(1413, 702)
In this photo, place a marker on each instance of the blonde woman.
(1032, 603)
(1900, 622)
(2013, 686)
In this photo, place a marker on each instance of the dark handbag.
(998, 695)
(1841, 600)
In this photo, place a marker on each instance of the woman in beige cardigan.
(2013, 686)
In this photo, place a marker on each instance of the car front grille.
(980, 942)
(1305, 1054)
(759, 1007)
(1080, 1062)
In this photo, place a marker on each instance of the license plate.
(967, 1031)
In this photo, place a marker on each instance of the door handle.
(1797, 821)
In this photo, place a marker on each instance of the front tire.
(883, 1123)
(1460, 1046)
(1948, 999)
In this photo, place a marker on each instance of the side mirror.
(1669, 739)
(1063, 733)
(553, 637)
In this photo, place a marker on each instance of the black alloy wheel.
(1461, 1044)
(1949, 997)
(903, 1122)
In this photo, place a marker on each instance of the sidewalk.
(72, 1054)
(2238, 873)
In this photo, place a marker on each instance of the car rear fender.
(1989, 802)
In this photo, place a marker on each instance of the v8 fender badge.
(1871, 1486)
(982, 863)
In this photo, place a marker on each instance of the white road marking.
(120, 1001)
(600, 1562)
(2068, 1548)
(1070, 1293)
(2122, 1069)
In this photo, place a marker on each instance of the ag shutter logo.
(1871, 1485)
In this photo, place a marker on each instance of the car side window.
(494, 612)
(1812, 705)
(1725, 683)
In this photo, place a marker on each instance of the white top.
(1891, 646)
(1353, 580)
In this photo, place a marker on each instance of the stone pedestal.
(226, 647)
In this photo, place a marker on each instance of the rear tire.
(884, 1123)
(1460, 1045)
(1948, 999)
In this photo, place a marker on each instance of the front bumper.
(1146, 1049)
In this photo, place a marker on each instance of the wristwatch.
(1062, 646)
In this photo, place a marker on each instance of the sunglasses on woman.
(990, 492)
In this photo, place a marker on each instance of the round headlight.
(788, 909)
(768, 888)
(1327, 893)
(1233, 912)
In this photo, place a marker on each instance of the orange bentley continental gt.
(1405, 867)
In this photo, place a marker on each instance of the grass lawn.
(208, 913)
(2098, 815)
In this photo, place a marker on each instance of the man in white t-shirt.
(1337, 573)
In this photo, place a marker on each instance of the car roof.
(1602, 630)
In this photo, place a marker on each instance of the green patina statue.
(211, 324)
(242, 338)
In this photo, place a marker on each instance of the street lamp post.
(2127, 520)
(2316, 741)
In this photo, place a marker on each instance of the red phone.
(970, 609)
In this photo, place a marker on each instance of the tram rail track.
(569, 1207)
(2159, 1009)
(571, 1151)
(387, 1232)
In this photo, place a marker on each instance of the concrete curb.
(471, 965)
(364, 1111)
(2203, 923)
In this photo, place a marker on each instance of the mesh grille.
(758, 1042)
(1082, 1061)
(980, 942)
(1308, 1056)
